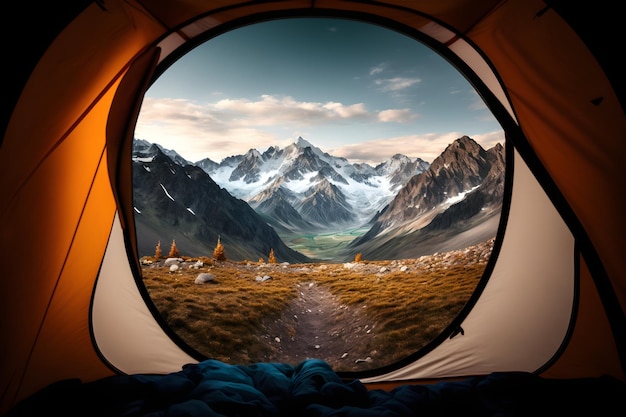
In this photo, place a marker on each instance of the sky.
(353, 89)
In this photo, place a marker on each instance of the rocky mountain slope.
(455, 203)
(182, 203)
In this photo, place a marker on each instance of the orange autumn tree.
(173, 250)
(158, 253)
(218, 252)
(271, 259)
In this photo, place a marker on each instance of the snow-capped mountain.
(324, 190)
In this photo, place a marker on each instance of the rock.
(172, 261)
(204, 277)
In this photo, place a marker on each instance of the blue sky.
(353, 89)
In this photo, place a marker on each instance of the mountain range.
(402, 206)
(302, 189)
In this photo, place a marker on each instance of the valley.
(329, 246)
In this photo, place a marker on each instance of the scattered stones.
(197, 265)
(174, 267)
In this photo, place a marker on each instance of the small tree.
(271, 258)
(357, 258)
(158, 253)
(218, 252)
(173, 250)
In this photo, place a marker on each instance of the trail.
(317, 325)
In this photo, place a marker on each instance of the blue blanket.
(312, 389)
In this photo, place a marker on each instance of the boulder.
(204, 277)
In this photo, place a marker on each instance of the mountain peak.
(303, 143)
(253, 154)
(465, 143)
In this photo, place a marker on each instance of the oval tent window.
(314, 188)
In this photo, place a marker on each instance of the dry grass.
(409, 309)
(409, 302)
(221, 319)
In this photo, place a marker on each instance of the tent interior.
(550, 316)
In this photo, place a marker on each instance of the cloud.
(377, 69)
(392, 84)
(174, 122)
(397, 115)
(266, 111)
(396, 83)
(427, 146)
(220, 129)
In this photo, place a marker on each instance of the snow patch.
(147, 159)
(166, 193)
(453, 200)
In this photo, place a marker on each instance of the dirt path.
(316, 325)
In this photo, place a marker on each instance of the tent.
(74, 76)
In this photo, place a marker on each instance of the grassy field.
(409, 302)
